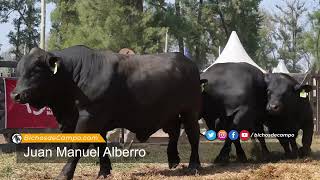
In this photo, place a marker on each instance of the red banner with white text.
(23, 115)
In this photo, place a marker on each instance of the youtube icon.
(244, 135)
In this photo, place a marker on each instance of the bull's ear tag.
(204, 87)
(303, 94)
(55, 69)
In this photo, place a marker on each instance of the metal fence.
(314, 80)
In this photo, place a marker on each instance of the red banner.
(23, 115)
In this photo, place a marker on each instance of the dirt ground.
(308, 168)
(297, 169)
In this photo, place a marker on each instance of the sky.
(6, 27)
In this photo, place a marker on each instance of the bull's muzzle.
(273, 108)
(21, 97)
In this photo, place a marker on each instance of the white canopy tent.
(281, 68)
(235, 53)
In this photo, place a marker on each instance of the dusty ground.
(298, 169)
(283, 169)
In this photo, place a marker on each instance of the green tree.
(26, 20)
(290, 33)
(191, 26)
(210, 23)
(117, 24)
(241, 16)
(312, 38)
(200, 25)
(267, 47)
(16, 39)
(64, 19)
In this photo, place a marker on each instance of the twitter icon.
(210, 135)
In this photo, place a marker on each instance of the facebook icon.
(233, 135)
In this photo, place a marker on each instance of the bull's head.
(283, 91)
(36, 72)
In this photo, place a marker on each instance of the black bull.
(242, 97)
(93, 92)
(234, 94)
(289, 110)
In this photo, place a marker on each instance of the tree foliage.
(26, 19)
(290, 33)
(199, 25)
(106, 24)
(312, 38)
(266, 54)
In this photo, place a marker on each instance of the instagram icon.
(222, 135)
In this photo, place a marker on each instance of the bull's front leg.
(83, 126)
(305, 150)
(105, 164)
(286, 146)
(294, 146)
(241, 155)
(67, 121)
(224, 156)
(69, 168)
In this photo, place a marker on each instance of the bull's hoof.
(104, 174)
(62, 177)
(173, 161)
(287, 155)
(222, 160)
(173, 165)
(194, 168)
(294, 155)
(266, 156)
(290, 155)
(304, 152)
(242, 159)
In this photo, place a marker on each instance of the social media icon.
(233, 135)
(16, 138)
(210, 135)
(222, 135)
(244, 135)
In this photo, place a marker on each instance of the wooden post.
(317, 100)
(43, 24)
(166, 42)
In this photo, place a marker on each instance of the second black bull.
(289, 110)
(234, 98)
(239, 96)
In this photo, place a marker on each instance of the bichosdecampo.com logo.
(57, 138)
